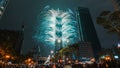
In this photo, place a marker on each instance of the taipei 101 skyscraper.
(56, 29)
(58, 32)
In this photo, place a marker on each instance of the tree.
(110, 21)
(69, 51)
(115, 5)
(66, 51)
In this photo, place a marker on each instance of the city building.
(85, 50)
(13, 39)
(3, 5)
(87, 30)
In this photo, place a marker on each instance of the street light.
(118, 45)
(29, 59)
(116, 57)
(59, 41)
(7, 56)
(107, 58)
(51, 51)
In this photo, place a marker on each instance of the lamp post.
(51, 53)
(7, 57)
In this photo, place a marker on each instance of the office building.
(87, 30)
(11, 38)
(3, 5)
(85, 50)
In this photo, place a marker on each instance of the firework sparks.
(57, 25)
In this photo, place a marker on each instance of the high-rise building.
(87, 30)
(3, 5)
(13, 39)
(85, 50)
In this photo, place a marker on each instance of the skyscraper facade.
(87, 30)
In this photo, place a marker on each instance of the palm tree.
(66, 51)
(69, 50)
(110, 21)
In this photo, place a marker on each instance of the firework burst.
(56, 25)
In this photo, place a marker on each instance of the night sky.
(25, 12)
